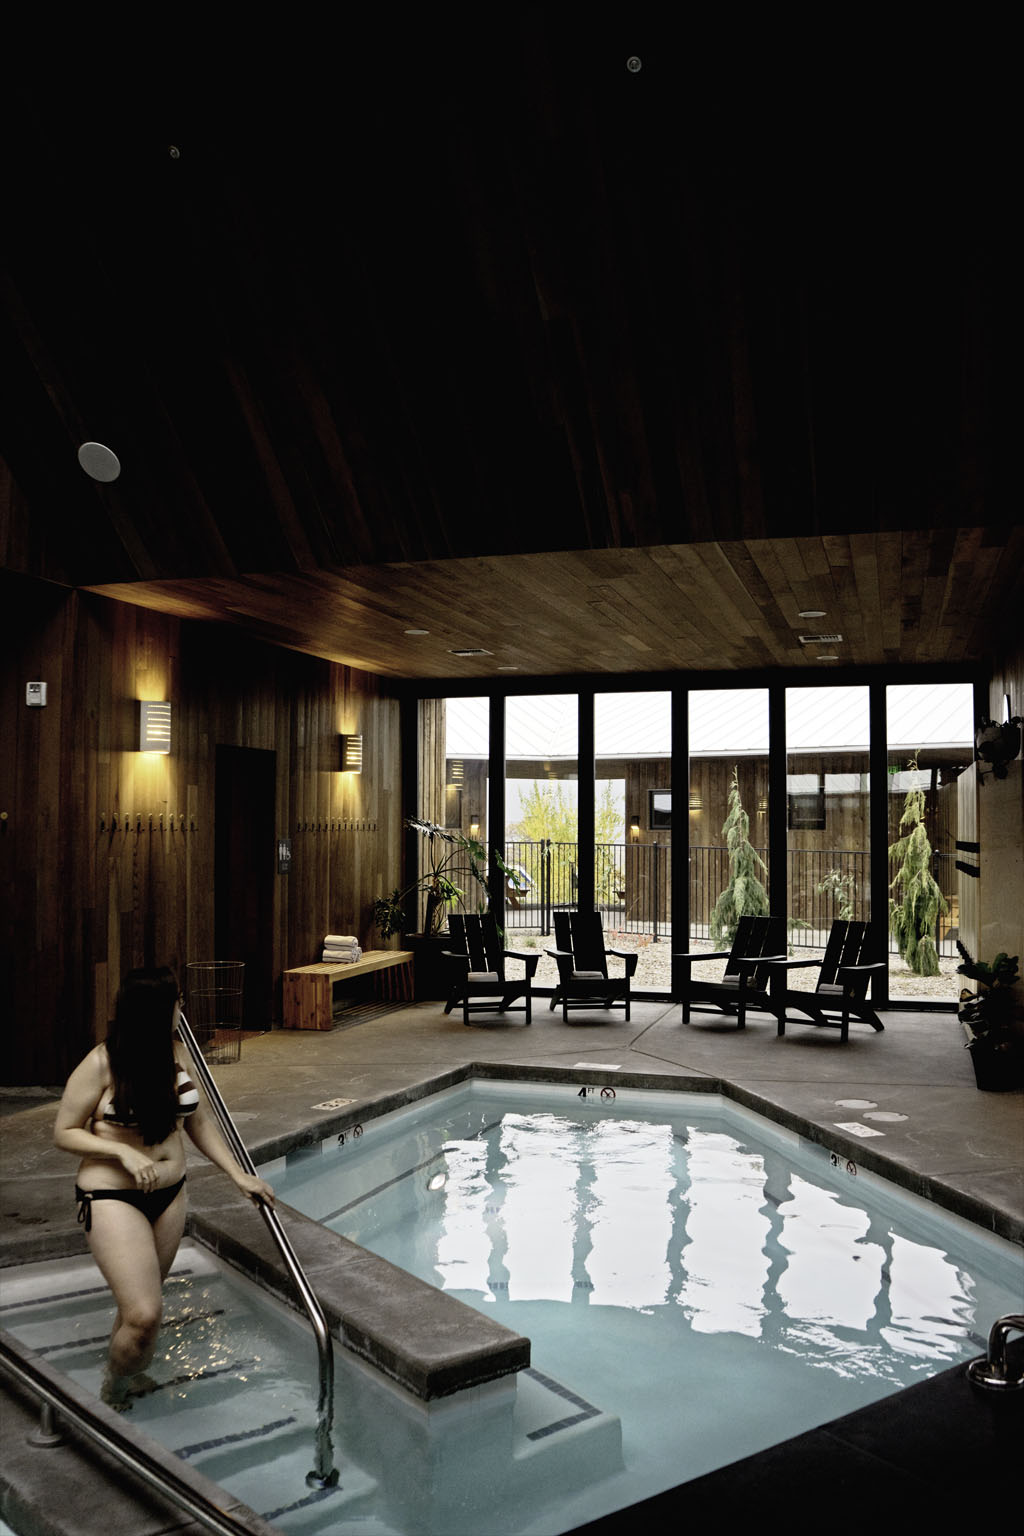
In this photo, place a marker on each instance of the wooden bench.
(309, 990)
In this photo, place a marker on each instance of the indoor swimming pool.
(697, 1284)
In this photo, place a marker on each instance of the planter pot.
(996, 1071)
(430, 976)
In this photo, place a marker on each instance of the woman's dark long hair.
(140, 1046)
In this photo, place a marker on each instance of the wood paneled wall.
(108, 855)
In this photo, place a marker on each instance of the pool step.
(247, 1423)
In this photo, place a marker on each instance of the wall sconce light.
(762, 806)
(634, 826)
(696, 803)
(352, 754)
(154, 726)
(474, 822)
(457, 771)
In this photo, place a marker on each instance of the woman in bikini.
(123, 1111)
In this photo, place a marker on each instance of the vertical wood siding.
(108, 854)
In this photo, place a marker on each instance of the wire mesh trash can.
(213, 990)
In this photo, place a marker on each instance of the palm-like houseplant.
(450, 855)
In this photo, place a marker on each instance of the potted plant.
(450, 856)
(994, 1036)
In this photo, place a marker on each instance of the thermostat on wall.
(35, 693)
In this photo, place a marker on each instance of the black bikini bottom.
(152, 1203)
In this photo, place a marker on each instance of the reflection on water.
(618, 1212)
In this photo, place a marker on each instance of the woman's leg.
(125, 1247)
(167, 1230)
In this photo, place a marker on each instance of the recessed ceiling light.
(508, 666)
(417, 631)
(99, 463)
(827, 658)
(811, 613)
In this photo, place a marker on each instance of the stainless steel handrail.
(324, 1474)
(118, 1445)
(991, 1370)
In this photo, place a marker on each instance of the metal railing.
(115, 1443)
(324, 1474)
(633, 885)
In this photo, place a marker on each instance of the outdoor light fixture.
(352, 754)
(474, 822)
(696, 803)
(154, 726)
(634, 826)
(457, 772)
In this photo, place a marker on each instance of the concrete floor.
(957, 1145)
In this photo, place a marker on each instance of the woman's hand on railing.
(256, 1188)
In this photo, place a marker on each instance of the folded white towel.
(342, 956)
(341, 940)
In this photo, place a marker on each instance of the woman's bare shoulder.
(95, 1067)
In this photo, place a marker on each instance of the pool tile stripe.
(186, 1378)
(104, 1338)
(187, 1451)
(66, 1344)
(400, 1178)
(316, 1497)
(86, 1290)
(586, 1410)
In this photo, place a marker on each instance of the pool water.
(697, 1284)
(713, 1280)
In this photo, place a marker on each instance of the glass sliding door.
(930, 729)
(728, 779)
(827, 816)
(633, 828)
(466, 775)
(541, 818)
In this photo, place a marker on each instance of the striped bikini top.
(188, 1101)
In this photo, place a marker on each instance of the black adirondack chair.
(475, 959)
(853, 955)
(745, 981)
(583, 979)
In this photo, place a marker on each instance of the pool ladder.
(324, 1474)
(991, 1370)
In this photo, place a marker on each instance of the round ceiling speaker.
(99, 462)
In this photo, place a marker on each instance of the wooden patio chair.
(475, 959)
(583, 979)
(745, 981)
(853, 956)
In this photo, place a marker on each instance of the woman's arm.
(203, 1130)
(82, 1094)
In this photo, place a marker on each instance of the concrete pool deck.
(957, 1145)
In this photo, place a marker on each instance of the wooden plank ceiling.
(589, 367)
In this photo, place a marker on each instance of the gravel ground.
(654, 966)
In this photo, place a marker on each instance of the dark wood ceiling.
(483, 332)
